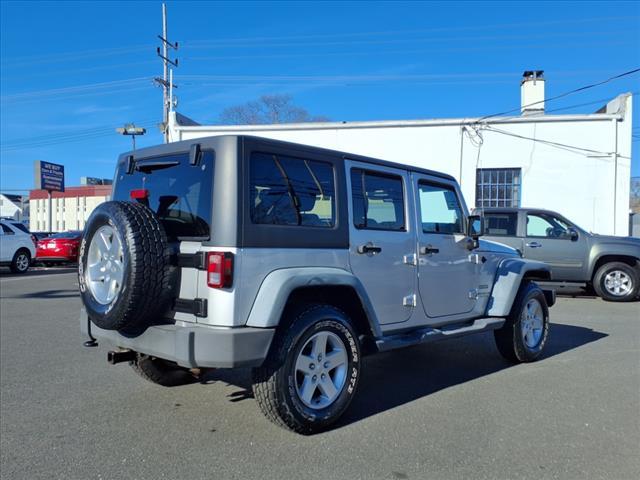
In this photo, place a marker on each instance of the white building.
(70, 209)
(14, 206)
(578, 165)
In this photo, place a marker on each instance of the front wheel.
(617, 282)
(21, 261)
(311, 374)
(524, 333)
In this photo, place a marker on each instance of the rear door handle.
(369, 248)
(428, 250)
(534, 245)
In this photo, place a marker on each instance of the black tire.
(148, 279)
(607, 291)
(18, 264)
(510, 339)
(274, 383)
(162, 372)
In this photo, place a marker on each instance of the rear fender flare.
(276, 288)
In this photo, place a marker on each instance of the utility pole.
(166, 84)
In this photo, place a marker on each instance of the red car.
(59, 248)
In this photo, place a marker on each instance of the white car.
(17, 247)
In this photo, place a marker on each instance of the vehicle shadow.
(395, 378)
(49, 294)
(392, 379)
(6, 273)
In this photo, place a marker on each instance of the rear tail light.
(219, 269)
(34, 240)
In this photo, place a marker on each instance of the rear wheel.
(162, 372)
(524, 333)
(21, 261)
(617, 282)
(311, 374)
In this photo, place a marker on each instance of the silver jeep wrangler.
(236, 251)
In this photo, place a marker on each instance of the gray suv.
(610, 265)
(235, 251)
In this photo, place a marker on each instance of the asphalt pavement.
(452, 409)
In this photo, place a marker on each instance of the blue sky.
(73, 72)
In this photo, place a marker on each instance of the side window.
(291, 191)
(544, 225)
(378, 200)
(501, 224)
(440, 209)
(6, 230)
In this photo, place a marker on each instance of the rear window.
(20, 227)
(179, 193)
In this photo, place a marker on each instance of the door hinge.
(196, 306)
(477, 258)
(411, 259)
(192, 260)
(409, 301)
(473, 293)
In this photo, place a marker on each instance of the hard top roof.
(183, 146)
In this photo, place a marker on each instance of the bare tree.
(268, 109)
(634, 195)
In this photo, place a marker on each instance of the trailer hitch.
(121, 356)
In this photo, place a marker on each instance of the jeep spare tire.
(124, 270)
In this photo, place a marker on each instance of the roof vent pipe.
(532, 92)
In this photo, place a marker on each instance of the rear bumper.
(57, 258)
(194, 346)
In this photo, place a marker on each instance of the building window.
(498, 187)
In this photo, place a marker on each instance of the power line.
(63, 134)
(594, 102)
(342, 53)
(93, 53)
(563, 146)
(77, 55)
(73, 89)
(64, 137)
(368, 77)
(565, 94)
(562, 23)
(396, 41)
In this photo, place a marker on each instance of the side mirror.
(475, 226)
(573, 234)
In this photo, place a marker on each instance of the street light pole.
(131, 130)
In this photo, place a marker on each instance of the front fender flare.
(507, 282)
(277, 286)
